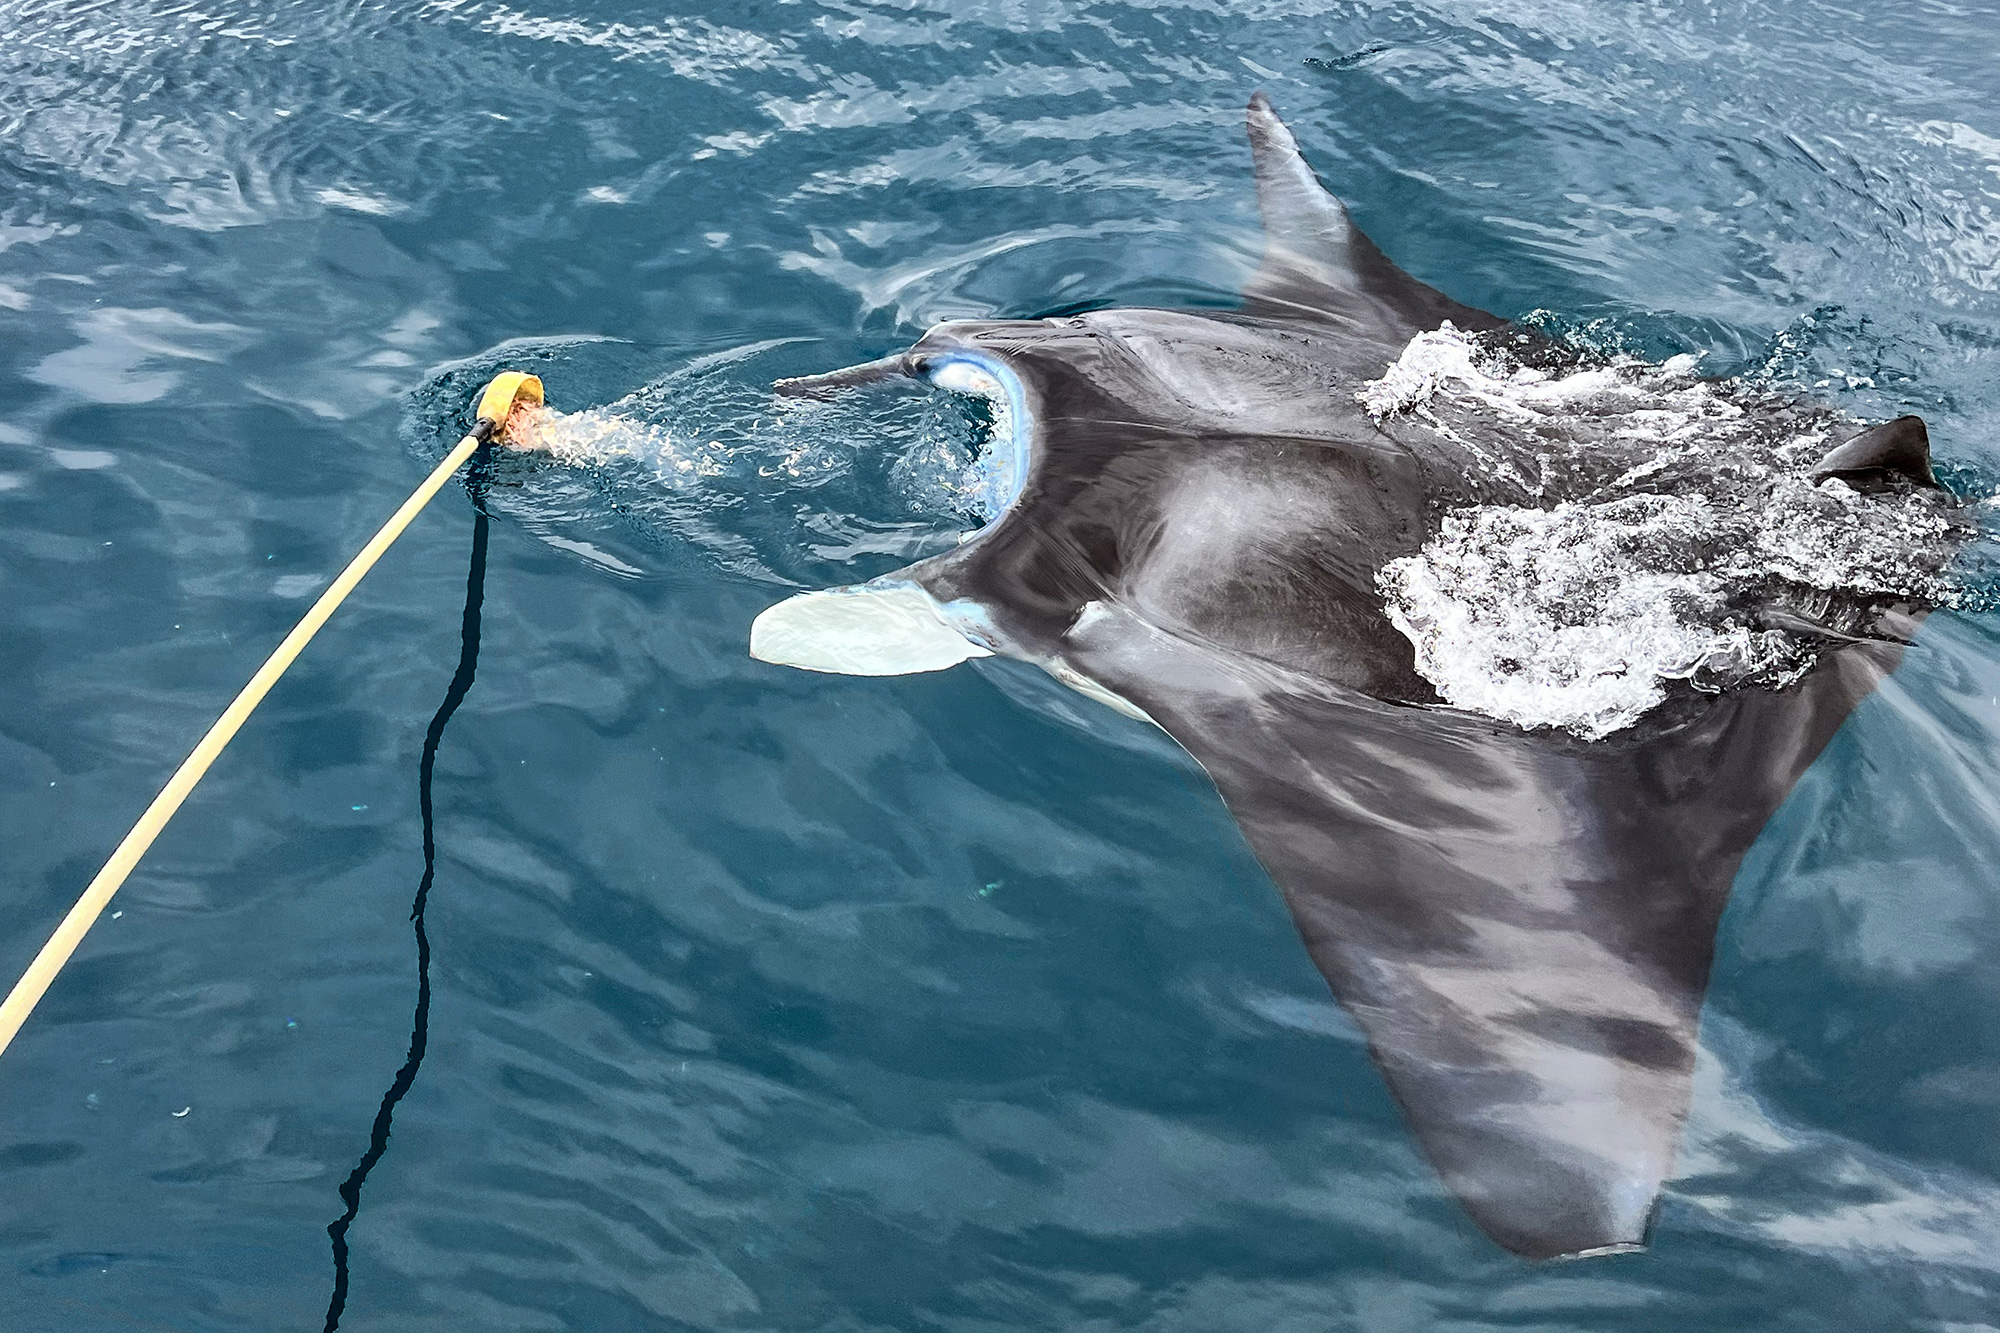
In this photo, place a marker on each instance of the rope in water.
(41, 973)
(420, 1018)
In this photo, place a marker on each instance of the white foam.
(1431, 361)
(1545, 617)
(798, 446)
(596, 436)
(1574, 603)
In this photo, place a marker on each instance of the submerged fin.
(871, 629)
(1318, 265)
(1882, 455)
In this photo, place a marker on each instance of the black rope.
(420, 1023)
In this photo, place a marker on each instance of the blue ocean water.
(760, 1000)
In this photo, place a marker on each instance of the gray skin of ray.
(1521, 923)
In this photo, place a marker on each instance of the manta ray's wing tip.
(1581, 1185)
(1599, 1252)
(1263, 120)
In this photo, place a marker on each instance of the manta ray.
(1198, 510)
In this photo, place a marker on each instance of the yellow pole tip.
(508, 390)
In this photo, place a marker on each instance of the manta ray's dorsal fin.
(1318, 265)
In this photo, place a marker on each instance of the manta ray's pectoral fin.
(885, 628)
(1521, 925)
(1898, 450)
(1318, 265)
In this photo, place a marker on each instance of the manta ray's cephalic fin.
(890, 627)
(1318, 265)
(835, 382)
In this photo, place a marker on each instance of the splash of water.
(935, 471)
(1650, 530)
(783, 491)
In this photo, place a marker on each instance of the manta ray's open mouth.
(1005, 447)
(1000, 467)
(892, 626)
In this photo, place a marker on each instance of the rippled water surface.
(760, 1000)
